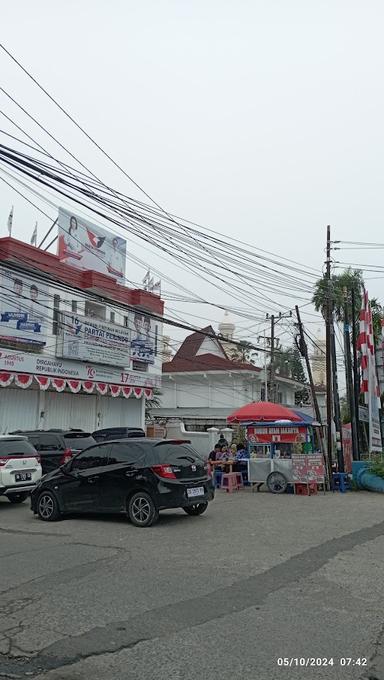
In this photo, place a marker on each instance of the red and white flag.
(369, 383)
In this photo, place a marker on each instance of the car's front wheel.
(196, 510)
(142, 510)
(17, 497)
(47, 507)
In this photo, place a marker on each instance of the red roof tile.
(193, 342)
(205, 362)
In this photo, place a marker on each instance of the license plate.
(197, 491)
(23, 476)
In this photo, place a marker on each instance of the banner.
(144, 338)
(87, 339)
(38, 364)
(25, 309)
(87, 246)
(369, 384)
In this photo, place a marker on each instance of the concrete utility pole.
(332, 384)
(304, 353)
(328, 353)
(275, 344)
(349, 379)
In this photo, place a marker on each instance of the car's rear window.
(16, 447)
(78, 441)
(177, 454)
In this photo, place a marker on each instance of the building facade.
(201, 386)
(77, 349)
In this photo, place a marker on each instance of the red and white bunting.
(102, 388)
(74, 386)
(88, 386)
(6, 379)
(369, 383)
(23, 380)
(58, 384)
(44, 381)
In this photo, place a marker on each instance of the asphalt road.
(257, 579)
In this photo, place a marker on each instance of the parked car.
(109, 433)
(138, 477)
(20, 468)
(57, 447)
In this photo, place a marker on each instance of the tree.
(155, 402)
(243, 352)
(288, 364)
(340, 288)
(351, 279)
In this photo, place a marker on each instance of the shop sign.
(277, 435)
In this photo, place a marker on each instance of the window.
(139, 366)
(112, 317)
(126, 321)
(56, 311)
(74, 306)
(181, 455)
(125, 453)
(16, 447)
(95, 311)
(97, 456)
(78, 442)
(47, 443)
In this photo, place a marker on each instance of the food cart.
(273, 434)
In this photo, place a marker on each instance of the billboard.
(87, 246)
(24, 311)
(89, 339)
(144, 338)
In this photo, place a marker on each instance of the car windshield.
(16, 447)
(78, 441)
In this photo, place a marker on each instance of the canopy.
(262, 411)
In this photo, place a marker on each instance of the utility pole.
(264, 339)
(275, 345)
(349, 380)
(328, 321)
(332, 384)
(356, 382)
(272, 362)
(304, 353)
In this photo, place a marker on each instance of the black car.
(57, 447)
(138, 477)
(109, 433)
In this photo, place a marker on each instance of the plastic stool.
(239, 480)
(340, 481)
(229, 481)
(305, 489)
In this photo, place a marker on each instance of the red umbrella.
(262, 411)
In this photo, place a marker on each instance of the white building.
(67, 358)
(202, 386)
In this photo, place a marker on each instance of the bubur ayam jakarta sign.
(276, 435)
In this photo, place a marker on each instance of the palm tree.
(340, 287)
(243, 352)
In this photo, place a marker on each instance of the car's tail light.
(38, 459)
(164, 471)
(66, 457)
(208, 469)
(3, 460)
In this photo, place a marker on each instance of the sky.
(262, 119)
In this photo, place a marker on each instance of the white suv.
(20, 468)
